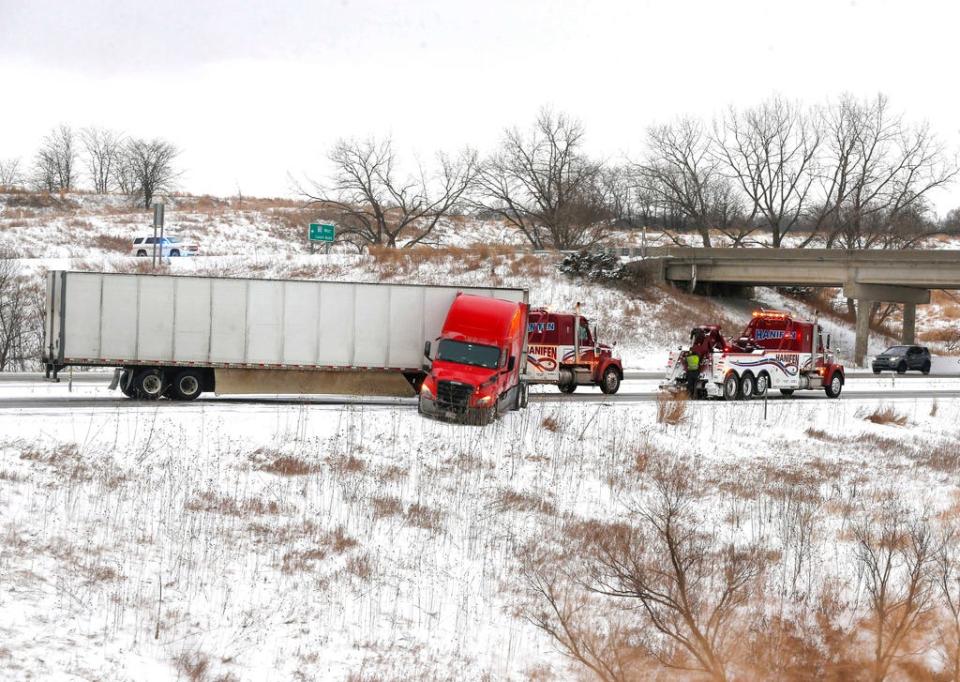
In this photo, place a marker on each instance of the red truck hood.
(466, 374)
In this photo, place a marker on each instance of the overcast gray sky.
(252, 91)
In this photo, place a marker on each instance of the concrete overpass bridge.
(901, 276)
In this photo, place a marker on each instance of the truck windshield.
(468, 353)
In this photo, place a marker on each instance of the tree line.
(851, 173)
(108, 160)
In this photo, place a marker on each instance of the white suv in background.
(169, 247)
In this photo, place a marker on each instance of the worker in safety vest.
(693, 372)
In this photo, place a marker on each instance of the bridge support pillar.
(908, 333)
(863, 331)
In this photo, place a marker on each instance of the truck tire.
(149, 384)
(835, 386)
(748, 386)
(567, 388)
(610, 382)
(141, 254)
(787, 391)
(126, 384)
(187, 385)
(175, 253)
(731, 386)
(762, 385)
(926, 367)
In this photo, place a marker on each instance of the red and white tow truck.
(775, 351)
(562, 349)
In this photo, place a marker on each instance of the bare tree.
(687, 590)
(541, 183)
(146, 168)
(10, 173)
(951, 222)
(683, 175)
(55, 165)
(770, 151)
(877, 173)
(947, 578)
(103, 148)
(19, 324)
(896, 557)
(376, 205)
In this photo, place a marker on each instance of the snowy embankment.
(274, 542)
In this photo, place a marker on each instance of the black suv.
(902, 358)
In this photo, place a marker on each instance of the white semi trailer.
(179, 336)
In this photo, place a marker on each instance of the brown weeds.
(887, 415)
(288, 465)
(671, 408)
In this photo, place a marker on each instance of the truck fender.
(601, 368)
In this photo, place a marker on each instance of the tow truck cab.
(473, 367)
(564, 346)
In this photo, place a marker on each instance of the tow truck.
(562, 349)
(775, 351)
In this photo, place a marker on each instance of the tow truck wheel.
(610, 383)
(747, 386)
(731, 387)
(762, 384)
(835, 386)
(567, 388)
(149, 384)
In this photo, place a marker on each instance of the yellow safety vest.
(693, 361)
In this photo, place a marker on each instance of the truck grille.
(453, 393)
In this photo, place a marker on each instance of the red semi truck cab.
(475, 363)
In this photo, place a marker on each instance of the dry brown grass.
(346, 464)
(424, 517)
(111, 242)
(524, 502)
(820, 434)
(288, 465)
(193, 665)
(550, 423)
(886, 415)
(232, 506)
(386, 505)
(671, 408)
(301, 560)
(360, 566)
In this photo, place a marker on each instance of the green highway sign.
(322, 232)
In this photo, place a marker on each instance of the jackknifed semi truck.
(179, 336)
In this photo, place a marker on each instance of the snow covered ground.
(275, 542)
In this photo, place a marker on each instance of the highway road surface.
(31, 392)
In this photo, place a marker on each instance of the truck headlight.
(484, 400)
(426, 392)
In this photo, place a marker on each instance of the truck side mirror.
(426, 364)
(511, 363)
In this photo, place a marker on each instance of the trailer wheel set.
(153, 383)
